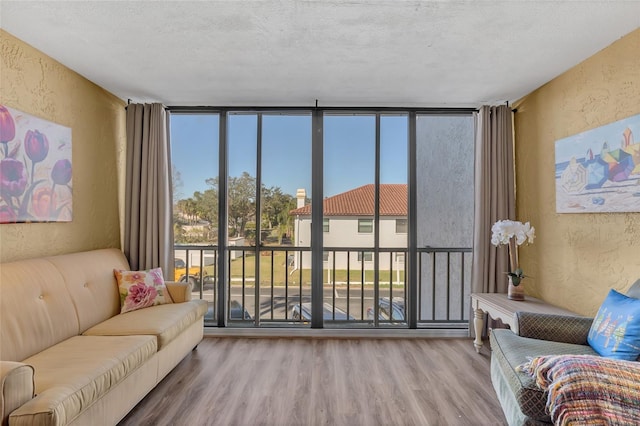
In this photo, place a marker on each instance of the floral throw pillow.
(141, 289)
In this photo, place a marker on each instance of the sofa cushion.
(75, 373)
(141, 289)
(615, 332)
(163, 321)
(511, 350)
(508, 402)
(36, 311)
(89, 280)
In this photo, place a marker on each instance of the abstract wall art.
(35, 169)
(598, 171)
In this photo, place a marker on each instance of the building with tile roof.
(360, 202)
(349, 223)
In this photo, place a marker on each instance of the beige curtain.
(148, 235)
(494, 196)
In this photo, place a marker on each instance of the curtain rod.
(183, 108)
(282, 108)
(218, 108)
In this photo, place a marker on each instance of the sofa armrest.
(180, 292)
(16, 387)
(556, 328)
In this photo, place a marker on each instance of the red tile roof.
(359, 202)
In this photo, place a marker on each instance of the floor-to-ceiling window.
(269, 169)
(195, 158)
(391, 193)
(348, 209)
(365, 216)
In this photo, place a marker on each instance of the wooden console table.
(499, 307)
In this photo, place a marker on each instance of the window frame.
(406, 226)
(361, 222)
(413, 252)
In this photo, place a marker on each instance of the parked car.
(303, 313)
(236, 312)
(388, 311)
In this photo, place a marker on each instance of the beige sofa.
(67, 355)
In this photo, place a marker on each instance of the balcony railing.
(444, 285)
(282, 286)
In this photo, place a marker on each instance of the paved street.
(354, 301)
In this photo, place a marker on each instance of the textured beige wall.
(36, 84)
(576, 258)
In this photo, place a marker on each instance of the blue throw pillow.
(615, 332)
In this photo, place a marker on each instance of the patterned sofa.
(522, 401)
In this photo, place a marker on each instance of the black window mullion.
(223, 255)
(317, 195)
(376, 227)
(258, 208)
(411, 271)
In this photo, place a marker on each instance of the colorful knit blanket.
(588, 389)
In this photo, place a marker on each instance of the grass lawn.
(281, 271)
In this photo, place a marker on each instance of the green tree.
(207, 205)
(178, 233)
(241, 195)
(276, 206)
(203, 206)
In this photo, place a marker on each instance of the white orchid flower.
(530, 231)
(504, 230)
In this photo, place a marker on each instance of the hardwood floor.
(241, 381)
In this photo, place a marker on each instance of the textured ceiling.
(343, 53)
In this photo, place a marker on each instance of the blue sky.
(349, 150)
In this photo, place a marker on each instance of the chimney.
(301, 195)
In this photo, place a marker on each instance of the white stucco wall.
(343, 232)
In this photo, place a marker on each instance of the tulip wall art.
(35, 169)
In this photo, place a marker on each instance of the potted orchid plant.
(513, 234)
